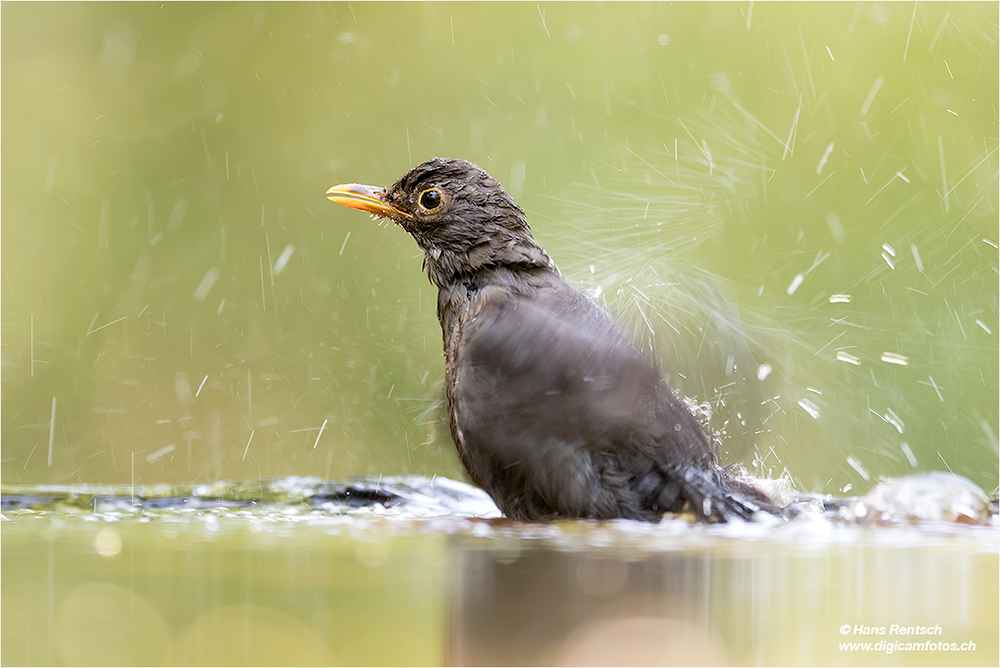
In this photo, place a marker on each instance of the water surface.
(298, 572)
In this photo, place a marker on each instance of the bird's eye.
(430, 199)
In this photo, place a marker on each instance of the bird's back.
(556, 414)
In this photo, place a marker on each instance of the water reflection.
(294, 583)
(549, 607)
(251, 635)
(720, 603)
(210, 588)
(100, 623)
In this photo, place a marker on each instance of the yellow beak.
(365, 198)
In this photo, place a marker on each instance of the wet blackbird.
(553, 411)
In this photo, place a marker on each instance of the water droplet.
(809, 407)
(849, 358)
(857, 466)
(895, 358)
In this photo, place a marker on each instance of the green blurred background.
(180, 303)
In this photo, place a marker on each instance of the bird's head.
(459, 215)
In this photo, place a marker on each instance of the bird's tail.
(716, 494)
(711, 494)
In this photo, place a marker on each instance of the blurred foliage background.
(793, 206)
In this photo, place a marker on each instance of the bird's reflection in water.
(677, 594)
(545, 607)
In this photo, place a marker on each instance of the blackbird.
(553, 411)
